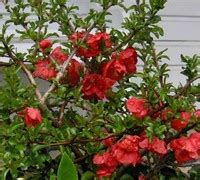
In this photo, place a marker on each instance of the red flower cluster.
(120, 65)
(128, 58)
(32, 116)
(123, 152)
(58, 55)
(96, 86)
(179, 124)
(126, 151)
(138, 107)
(94, 43)
(156, 146)
(108, 142)
(44, 70)
(44, 44)
(106, 162)
(113, 70)
(186, 148)
(74, 71)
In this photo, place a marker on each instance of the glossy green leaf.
(67, 169)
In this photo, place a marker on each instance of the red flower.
(127, 151)
(197, 113)
(73, 72)
(156, 146)
(32, 117)
(58, 55)
(106, 162)
(93, 43)
(77, 36)
(105, 171)
(113, 70)
(96, 86)
(109, 141)
(128, 58)
(44, 70)
(179, 124)
(83, 51)
(137, 107)
(44, 44)
(195, 140)
(184, 149)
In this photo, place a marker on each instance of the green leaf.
(67, 169)
(88, 176)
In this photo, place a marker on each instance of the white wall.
(180, 20)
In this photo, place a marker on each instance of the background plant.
(95, 112)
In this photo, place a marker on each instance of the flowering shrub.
(100, 116)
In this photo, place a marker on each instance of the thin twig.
(189, 164)
(61, 114)
(25, 69)
(59, 76)
(184, 88)
(5, 64)
(79, 141)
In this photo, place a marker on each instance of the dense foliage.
(103, 116)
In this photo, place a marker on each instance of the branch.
(84, 141)
(26, 70)
(24, 67)
(184, 88)
(79, 141)
(189, 164)
(59, 75)
(61, 114)
(5, 64)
